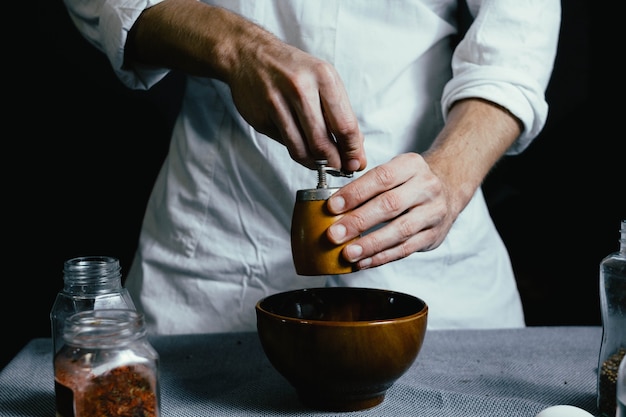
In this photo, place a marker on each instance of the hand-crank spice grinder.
(313, 253)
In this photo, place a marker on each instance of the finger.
(417, 243)
(396, 239)
(381, 209)
(289, 131)
(412, 232)
(373, 183)
(307, 106)
(343, 124)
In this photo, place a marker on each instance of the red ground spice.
(124, 391)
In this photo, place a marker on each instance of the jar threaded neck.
(92, 274)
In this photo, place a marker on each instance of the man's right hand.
(281, 91)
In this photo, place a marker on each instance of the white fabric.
(215, 236)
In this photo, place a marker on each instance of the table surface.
(510, 372)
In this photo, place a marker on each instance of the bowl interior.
(342, 304)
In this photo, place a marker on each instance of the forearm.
(192, 37)
(476, 135)
(506, 57)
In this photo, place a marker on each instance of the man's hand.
(413, 200)
(281, 91)
(301, 102)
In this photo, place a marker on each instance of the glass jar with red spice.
(107, 366)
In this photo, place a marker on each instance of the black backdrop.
(84, 152)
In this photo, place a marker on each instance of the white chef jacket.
(216, 232)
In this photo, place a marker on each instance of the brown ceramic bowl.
(341, 348)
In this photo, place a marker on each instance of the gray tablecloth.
(457, 373)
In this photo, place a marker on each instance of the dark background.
(85, 151)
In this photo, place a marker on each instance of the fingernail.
(337, 232)
(365, 263)
(353, 165)
(353, 252)
(336, 204)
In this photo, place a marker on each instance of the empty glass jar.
(89, 283)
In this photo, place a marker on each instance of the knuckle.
(385, 257)
(390, 202)
(324, 70)
(372, 244)
(347, 127)
(383, 175)
(321, 145)
(405, 230)
(358, 222)
(296, 153)
(406, 249)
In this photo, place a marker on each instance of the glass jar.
(613, 312)
(621, 390)
(107, 367)
(89, 283)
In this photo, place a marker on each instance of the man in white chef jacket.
(381, 89)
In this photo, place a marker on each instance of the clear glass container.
(613, 312)
(89, 283)
(107, 366)
(621, 390)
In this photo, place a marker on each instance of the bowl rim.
(335, 323)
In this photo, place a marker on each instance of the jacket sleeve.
(507, 56)
(105, 24)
